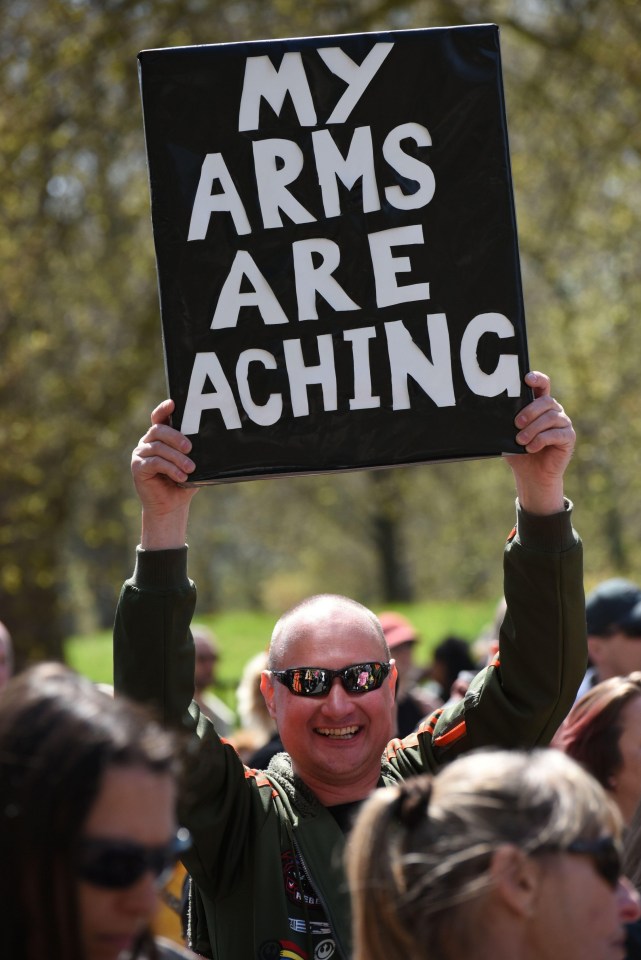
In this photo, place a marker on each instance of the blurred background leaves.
(80, 332)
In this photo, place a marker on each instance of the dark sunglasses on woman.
(117, 864)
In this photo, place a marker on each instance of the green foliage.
(81, 349)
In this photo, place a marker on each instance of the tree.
(82, 359)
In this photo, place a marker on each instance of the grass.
(241, 634)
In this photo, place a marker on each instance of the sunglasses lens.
(112, 868)
(363, 677)
(605, 855)
(608, 864)
(116, 865)
(309, 681)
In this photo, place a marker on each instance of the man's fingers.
(541, 419)
(561, 437)
(166, 435)
(158, 457)
(539, 407)
(539, 383)
(163, 412)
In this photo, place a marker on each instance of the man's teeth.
(340, 732)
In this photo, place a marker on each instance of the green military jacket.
(267, 858)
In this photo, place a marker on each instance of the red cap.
(397, 628)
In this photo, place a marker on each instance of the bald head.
(329, 614)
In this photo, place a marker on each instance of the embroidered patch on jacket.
(297, 885)
(275, 949)
(317, 928)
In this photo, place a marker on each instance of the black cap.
(614, 603)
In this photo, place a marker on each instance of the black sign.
(337, 251)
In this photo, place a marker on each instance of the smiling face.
(133, 804)
(335, 741)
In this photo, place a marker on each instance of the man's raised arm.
(153, 650)
(521, 698)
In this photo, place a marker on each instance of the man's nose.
(628, 901)
(338, 699)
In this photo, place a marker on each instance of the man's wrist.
(540, 502)
(168, 532)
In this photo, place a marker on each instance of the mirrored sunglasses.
(117, 864)
(604, 853)
(317, 681)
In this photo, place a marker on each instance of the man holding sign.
(267, 856)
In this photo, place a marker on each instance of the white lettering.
(272, 180)
(358, 164)
(205, 203)
(311, 279)
(264, 414)
(409, 167)
(363, 398)
(408, 360)
(207, 366)
(300, 376)
(263, 80)
(231, 299)
(386, 266)
(356, 76)
(506, 376)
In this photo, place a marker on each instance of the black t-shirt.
(345, 813)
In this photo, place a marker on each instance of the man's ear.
(516, 878)
(268, 691)
(393, 677)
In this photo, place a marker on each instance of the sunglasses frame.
(605, 853)
(93, 865)
(286, 677)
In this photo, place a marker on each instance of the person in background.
(6, 657)
(88, 830)
(603, 732)
(613, 615)
(451, 658)
(207, 654)
(504, 854)
(266, 864)
(412, 703)
(632, 869)
(257, 736)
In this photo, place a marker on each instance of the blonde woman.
(508, 855)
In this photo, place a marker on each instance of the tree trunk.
(387, 536)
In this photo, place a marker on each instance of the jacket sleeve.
(153, 647)
(154, 664)
(524, 694)
(519, 700)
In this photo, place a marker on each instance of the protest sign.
(337, 252)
